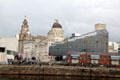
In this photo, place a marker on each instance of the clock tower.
(24, 35)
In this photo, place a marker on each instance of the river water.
(37, 77)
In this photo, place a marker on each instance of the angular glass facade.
(96, 41)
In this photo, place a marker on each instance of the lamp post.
(86, 42)
(67, 44)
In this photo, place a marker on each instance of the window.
(2, 49)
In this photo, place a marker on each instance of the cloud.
(74, 15)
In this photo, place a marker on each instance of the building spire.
(24, 35)
(25, 20)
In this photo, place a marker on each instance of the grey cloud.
(75, 16)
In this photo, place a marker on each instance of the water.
(37, 77)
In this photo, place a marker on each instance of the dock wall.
(59, 71)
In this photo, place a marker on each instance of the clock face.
(25, 29)
(28, 32)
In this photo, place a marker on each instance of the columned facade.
(56, 34)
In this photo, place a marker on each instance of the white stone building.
(38, 46)
(56, 34)
(42, 48)
(29, 49)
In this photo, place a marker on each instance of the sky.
(75, 16)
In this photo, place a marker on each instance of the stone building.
(56, 34)
(23, 36)
(28, 49)
(38, 46)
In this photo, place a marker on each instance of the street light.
(86, 42)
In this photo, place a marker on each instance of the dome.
(56, 25)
